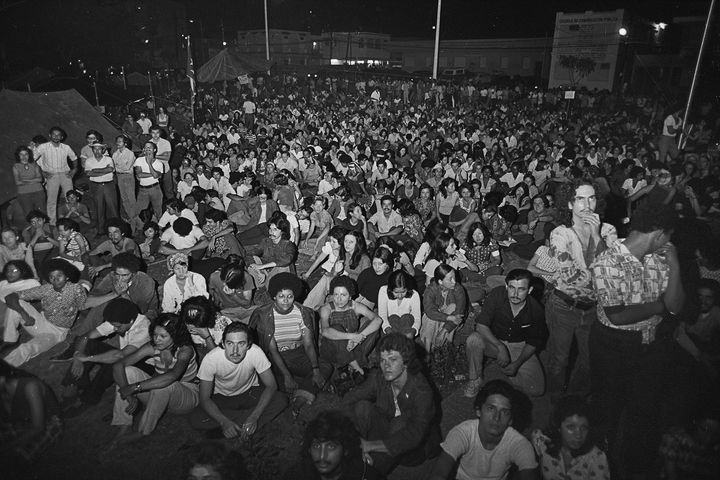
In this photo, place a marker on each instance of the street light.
(623, 32)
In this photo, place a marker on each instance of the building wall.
(512, 56)
(287, 47)
(589, 34)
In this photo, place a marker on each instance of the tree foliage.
(579, 67)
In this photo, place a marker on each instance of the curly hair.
(175, 327)
(128, 261)
(215, 454)
(59, 264)
(345, 282)
(567, 407)
(332, 426)
(404, 346)
(26, 272)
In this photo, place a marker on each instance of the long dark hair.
(333, 426)
(175, 327)
(568, 407)
(232, 273)
(438, 249)
(487, 236)
(358, 254)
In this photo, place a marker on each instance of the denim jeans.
(565, 322)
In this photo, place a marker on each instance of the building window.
(526, 63)
(504, 62)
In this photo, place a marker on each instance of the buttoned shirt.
(527, 326)
(573, 276)
(54, 158)
(60, 308)
(620, 279)
(385, 224)
(124, 160)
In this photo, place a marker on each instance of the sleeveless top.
(347, 319)
(447, 203)
(190, 372)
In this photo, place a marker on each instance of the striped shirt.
(53, 159)
(289, 329)
(124, 160)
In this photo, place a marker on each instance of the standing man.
(164, 151)
(100, 170)
(672, 125)
(58, 163)
(510, 329)
(148, 171)
(637, 283)
(249, 109)
(571, 308)
(238, 392)
(144, 123)
(124, 159)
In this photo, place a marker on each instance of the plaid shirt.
(621, 279)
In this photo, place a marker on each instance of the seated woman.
(17, 276)
(286, 333)
(483, 252)
(12, 248)
(332, 265)
(425, 203)
(320, 224)
(149, 241)
(73, 246)
(75, 210)
(412, 235)
(171, 389)
(444, 306)
(399, 305)
(395, 410)
(346, 341)
(568, 450)
(182, 284)
(231, 289)
(465, 212)
(204, 322)
(354, 255)
(371, 279)
(33, 415)
(540, 223)
(61, 299)
(274, 254)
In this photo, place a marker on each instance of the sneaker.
(472, 388)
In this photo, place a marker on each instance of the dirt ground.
(83, 453)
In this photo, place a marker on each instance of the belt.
(102, 183)
(573, 302)
(150, 186)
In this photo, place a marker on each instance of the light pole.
(267, 34)
(622, 57)
(436, 56)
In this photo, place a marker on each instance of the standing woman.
(446, 199)
(399, 305)
(163, 119)
(172, 388)
(28, 181)
(182, 284)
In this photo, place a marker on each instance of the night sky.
(55, 33)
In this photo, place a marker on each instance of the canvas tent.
(228, 65)
(25, 115)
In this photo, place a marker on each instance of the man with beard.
(487, 447)
(117, 242)
(394, 410)
(386, 223)
(232, 399)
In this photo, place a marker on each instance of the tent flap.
(228, 65)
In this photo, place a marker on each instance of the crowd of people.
(329, 236)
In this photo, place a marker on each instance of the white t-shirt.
(163, 146)
(627, 186)
(137, 336)
(93, 163)
(141, 163)
(477, 463)
(167, 219)
(233, 379)
(178, 242)
(670, 122)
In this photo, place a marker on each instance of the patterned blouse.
(481, 255)
(414, 227)
(592, 465)
(424, 207)
(60, 308)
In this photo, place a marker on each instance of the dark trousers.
(336, 352)
(626, 382)
(105, 196)
(298, 364)
(238, 407)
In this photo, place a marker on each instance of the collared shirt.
(620, 279)
(60, 308)
(141, 291)
(527, 326)
(137, 335)
(573, 276)
(124, 160)
(385, 224)
(53, 159)
(92, 163)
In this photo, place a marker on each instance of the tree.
(578, 67)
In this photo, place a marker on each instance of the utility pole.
(436, 57)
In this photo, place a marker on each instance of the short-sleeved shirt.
(54, 158)
(289, 329)
(180, 242)
(527, 326)
(230, 378)
(137, 336)
(141, 163)
(60, 308)
(385, 224)
(322, 220)
(477, 463)
(92, 163)
(127, 245)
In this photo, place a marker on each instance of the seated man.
(509, 330)
(126, 281)
(117, 242)
(232, 399)
(122, 324)
(487, 447)
(385, 223)
(183, 237)
(395, 410)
